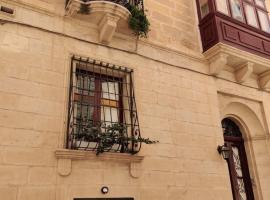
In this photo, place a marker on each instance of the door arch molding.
(250, 126)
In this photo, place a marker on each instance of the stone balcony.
(107, 15)
(240, 62)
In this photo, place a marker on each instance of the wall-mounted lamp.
(224, 151)
(104, 190)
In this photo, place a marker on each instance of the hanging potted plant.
(138, 21)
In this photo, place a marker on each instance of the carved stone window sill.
(65, 158)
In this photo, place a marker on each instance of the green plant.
(84, 8)
(106, 137)
(138, 21)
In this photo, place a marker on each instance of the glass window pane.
(110, 90)
(222, 6)
(251, 17)
(109, 115)
(84, 112)
(204, 6)
(236, 10)
(260, 3)
(86, 85)
(263, 17)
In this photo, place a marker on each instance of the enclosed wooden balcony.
(236, 33)
(107, 15)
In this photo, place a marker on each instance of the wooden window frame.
(97, 99)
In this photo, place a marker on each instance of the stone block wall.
(179, 104)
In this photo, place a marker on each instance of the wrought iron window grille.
(102, 113)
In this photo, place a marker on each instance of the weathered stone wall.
(179, 104)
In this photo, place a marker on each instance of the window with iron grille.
(102, 103)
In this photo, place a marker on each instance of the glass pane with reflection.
(222, 6)
(260, 3)
(251, 16)
(237, 10)
(263, 17)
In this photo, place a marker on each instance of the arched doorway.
(237, 161)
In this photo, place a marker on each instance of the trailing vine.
(138, 21)
(107, 136)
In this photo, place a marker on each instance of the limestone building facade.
(201, 80)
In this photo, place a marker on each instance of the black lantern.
(224, 151)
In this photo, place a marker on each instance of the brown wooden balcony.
(236, 34)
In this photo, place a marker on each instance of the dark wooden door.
(237, 162)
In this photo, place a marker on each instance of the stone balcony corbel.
(244, 72)
(107, 28)
(217, 63)
(264, 80)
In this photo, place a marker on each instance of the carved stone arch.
(248, 121)
(251, 127)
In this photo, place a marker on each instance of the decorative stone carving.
(64, 166)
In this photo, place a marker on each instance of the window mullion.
(230, 8)
(244, 12)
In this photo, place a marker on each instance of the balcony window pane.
(204, 6)
(222, 6)
(264, 21)
(237, 10)
(260, 3)
(251, 17)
